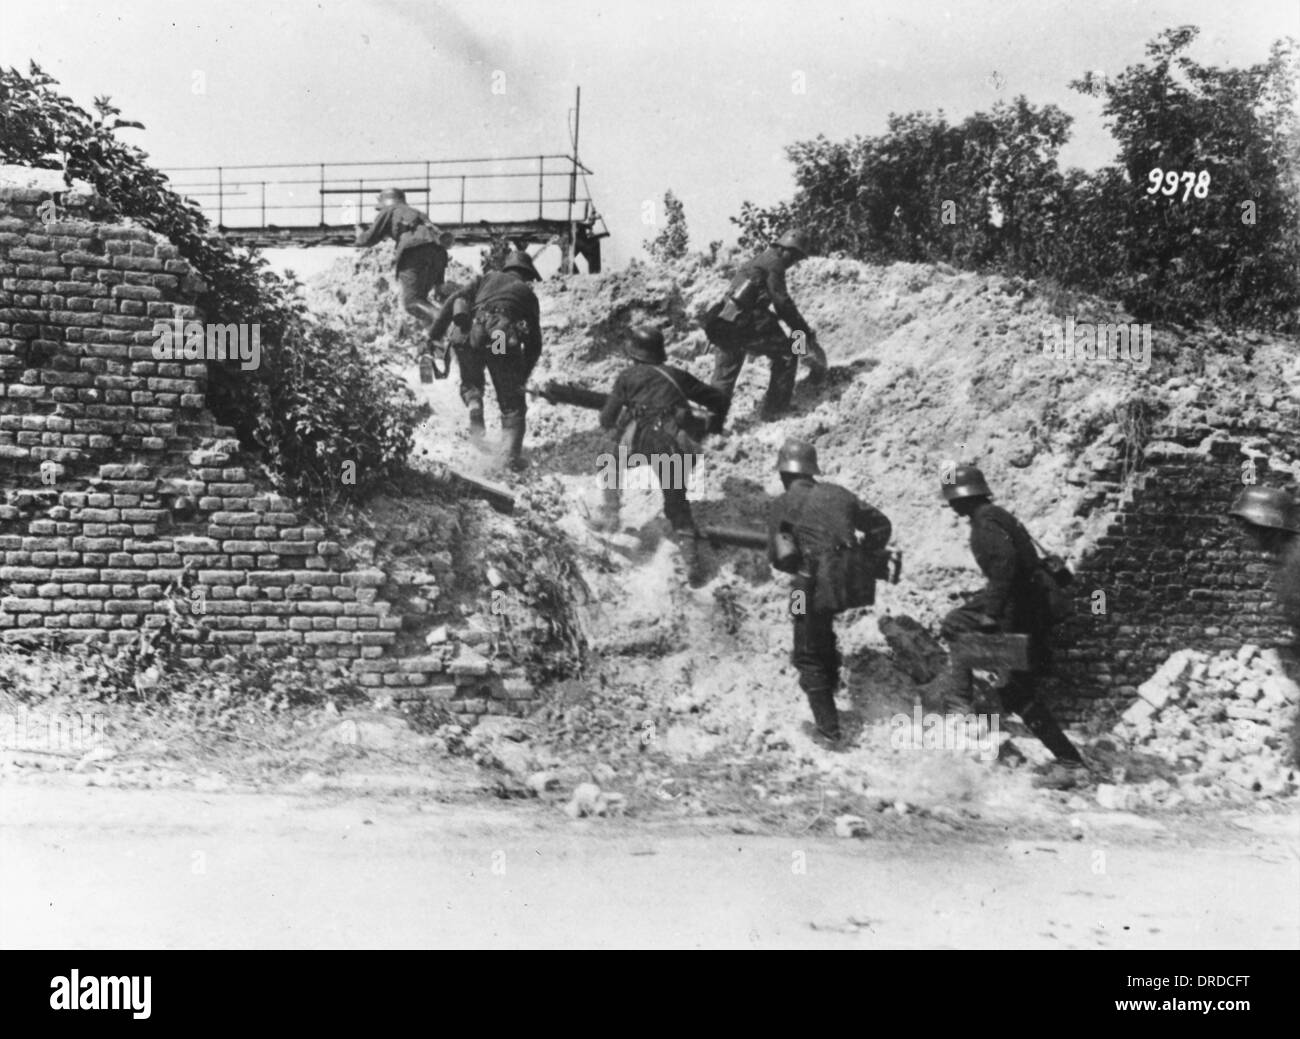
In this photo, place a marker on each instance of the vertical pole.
(221, 200)
(428, 197)
(263, 205)
(568, 262)
(322, 194)
(462, 198)
(541, 166)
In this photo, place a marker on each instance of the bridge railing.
(340, 194)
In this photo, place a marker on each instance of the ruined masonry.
(115, 477)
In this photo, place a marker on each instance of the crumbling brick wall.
(1175, 572)
(115, 477)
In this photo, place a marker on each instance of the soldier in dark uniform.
(649, 408)
(1268, 517)
(747, 323)
(1011, 602)
(421, 250)
(820, 517)
(502, 319)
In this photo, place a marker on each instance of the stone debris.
(1221, 720)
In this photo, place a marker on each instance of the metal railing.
(292, 198)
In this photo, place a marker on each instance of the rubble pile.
(929, 365)
(1223, 721)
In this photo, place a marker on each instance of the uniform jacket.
(769, 269)
(822, 516)
(406, 226)
(1005, 553)
(502, 289)
(642, 388)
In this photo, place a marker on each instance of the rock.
(540, 782)
(1141, 711)
(494, 577)
(437, 636)
(852, 826)
(1113, 798)
(611, 805)
(469, 662)
(585, 801)
(603, 773)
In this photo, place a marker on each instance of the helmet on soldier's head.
(797, 456)
(391, 197)
(796, 241)
(967, 482)
(523, 263)
(646, 343)
(1266, 507)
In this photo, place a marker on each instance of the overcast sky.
(700, 97)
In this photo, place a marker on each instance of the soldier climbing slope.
(502, 319)
(421, 250)
(649, 407)
(813, 533)
(1012, 602)
(1267, 515)
(748, 322)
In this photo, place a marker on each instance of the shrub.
(306, 369)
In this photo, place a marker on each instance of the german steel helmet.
(967, 482)
(391, 196)
(796, 240)
(797, 456)
(523, 263)
(1266, 507)
(646, 344)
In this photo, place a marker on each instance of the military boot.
(825, 715)
(512, 441)
(476, 427)
(1038, 720)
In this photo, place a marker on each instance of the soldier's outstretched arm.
(783, 304)
(702, 393)
(613, 405)
(376, 231)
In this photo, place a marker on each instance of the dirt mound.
(929, 366)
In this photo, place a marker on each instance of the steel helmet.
(796, 240)
(1266, 507)
(967, 482)
(391, 197)
(523, 263)
(797, 456)
(646, 343)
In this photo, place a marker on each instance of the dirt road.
(85, 867)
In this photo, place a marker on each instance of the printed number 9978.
(1197, 184)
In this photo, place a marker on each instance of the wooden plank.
(992, 652)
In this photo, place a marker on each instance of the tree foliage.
(672, 241)
(988, 193)
(290, 407)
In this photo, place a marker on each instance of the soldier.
(746, 323)
(500, 313)
(1267, 517)
(421, 250)
(649, 407)
(1011, 602)
(820, 517)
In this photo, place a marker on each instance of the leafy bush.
(672, 241)
(988, 193)
(290, 406)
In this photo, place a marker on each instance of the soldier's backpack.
(496, 330)
(845, 575)
(679, 425)
(1051, 577)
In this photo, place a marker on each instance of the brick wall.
(114, 477)
(1176, 573)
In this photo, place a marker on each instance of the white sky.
(684, 94)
